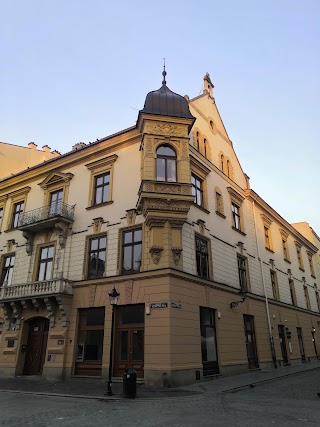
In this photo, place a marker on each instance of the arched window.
(222, 162)
(166, 164)
(197, 141)
(205, 147)
(228, 168)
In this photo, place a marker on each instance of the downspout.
(273, 353)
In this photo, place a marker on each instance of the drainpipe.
(265, 290)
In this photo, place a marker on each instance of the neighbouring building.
(211, 278)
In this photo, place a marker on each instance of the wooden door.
(208, 342)
(36, 346)
(129, 340)
(250, 342)
(283, 345)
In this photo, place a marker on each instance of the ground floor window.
(250, 341)
(90, 341)
(208, 341)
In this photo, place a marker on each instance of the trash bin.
(130, 383)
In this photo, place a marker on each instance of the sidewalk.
(93, 388)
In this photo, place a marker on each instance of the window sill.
(301, 269)
(312, 275)
(100, 205)
(268, 249)
(10, 229)
(286, 260)
(221, 214)
(239, 231)
(201, 208)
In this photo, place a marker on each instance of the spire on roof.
(164, 73)
(208, 85)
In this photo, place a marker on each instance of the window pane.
(102, 242)
(171, 170)
(131, 314)
(101, 264)
(105, 193)
(99, 180)
(94, 244)
(208, 344)
(41, 271)
(94, 317)
(128, 237)
(106, 178)
(49, 271)
(123, 345)
(50, 252)
(94, 345)
(137, 347)
(138, 235)
(165, 151)
(98, 195)
(137, 257)
(127, 257)
(161, 174)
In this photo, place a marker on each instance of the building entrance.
(36, 346)
(129, 339)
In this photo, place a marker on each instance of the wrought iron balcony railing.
(36, 289)
(61, 210)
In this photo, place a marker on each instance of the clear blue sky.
(76, 71)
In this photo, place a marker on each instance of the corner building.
(212, 280)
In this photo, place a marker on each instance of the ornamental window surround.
(284, 242)
(8, 262)
(267, 232)
(18, 201)
(243, 273)
(292, 292)
(131, 253)
(199, 173)
(101, 181)
(236, 210)
(299, 255)
(96, 257)
(202, 256)
(274, 284)
(45, 263)
(309, 254)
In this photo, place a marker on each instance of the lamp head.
(113, 296)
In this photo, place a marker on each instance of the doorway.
(250, 342)
(36, 346)
(301, 346)
(208, 341)
(129, 340)
(283, 345)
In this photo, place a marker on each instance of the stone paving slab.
(95, 388)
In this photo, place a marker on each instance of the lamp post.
(113, 298)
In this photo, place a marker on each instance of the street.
(289, 401)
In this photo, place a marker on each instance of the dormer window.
(166, 164)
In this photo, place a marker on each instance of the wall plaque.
(159, 305)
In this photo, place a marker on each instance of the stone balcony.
(51, 295)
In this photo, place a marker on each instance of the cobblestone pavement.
(287, 401)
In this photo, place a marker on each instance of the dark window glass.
(97, 256)
(132, 250)
(292, 292)
(202, 257)
(208, 335)
(197, 190)
(236, 216)
(137, 345)
(130, 314)
(101, 188)
(1, 214)
(166, 164)
(274, 283)
(123, 345)
(242, 270)
(45, 263)
(17, 212)
(90, 337)
(7, 270)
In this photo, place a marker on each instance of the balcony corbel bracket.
(16, 313)
(243, 295)
(29, 238)
(62, 233)
(7, 312)
(64, 307)
(155, 252)
(51, 307)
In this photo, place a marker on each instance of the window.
(318, 300)
(197, 141)
(285, 249)
(166, 164)
(1, 215)
(101, 188)
(299, 256)
(202, 257)
(236, 216)
(208, 341)
(16, 214)
(243, 275)
(306, 296)
(205, 147)
(56, 199)
(7, 270)
(292, 292)
(222, 162)
(267, 237)
(101, 181)
(274, 284)
(311, 265)
(132, 250)
(197, 190)
(228, 168)
(97, 256)
(45, 263)
(236, 210)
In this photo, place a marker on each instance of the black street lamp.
(113, 298)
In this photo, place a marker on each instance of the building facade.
(211, 279)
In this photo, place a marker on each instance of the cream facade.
(211, 279)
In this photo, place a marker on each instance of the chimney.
(32, 145)
(46, 148)
(56, 153)
(208, 85)
(78, 146)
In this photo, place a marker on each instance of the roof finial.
(164, 72)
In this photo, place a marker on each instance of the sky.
(76, 70)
